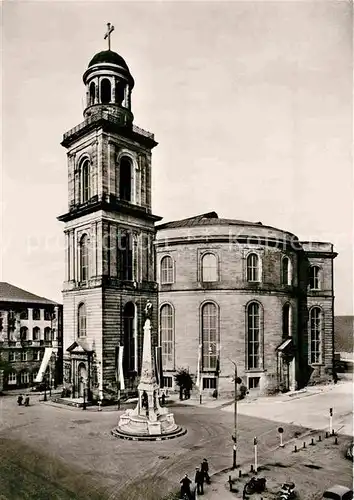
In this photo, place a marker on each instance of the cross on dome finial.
(108, 34)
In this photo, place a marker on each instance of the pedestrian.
(186, 487)
(19, 400)
(199, 480)
(205, 470)
(27, 401)
(163, 399)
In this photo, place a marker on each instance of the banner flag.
(120, 368)
(198, 382)
(158, 366)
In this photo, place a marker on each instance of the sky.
(250, 102)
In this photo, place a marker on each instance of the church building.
(223, 292)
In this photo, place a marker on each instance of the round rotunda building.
(242, 293)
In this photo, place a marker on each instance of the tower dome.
(108, 56)
(109, 84)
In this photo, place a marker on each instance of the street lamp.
(234, 437)
(45, 388)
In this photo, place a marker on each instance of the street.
(51, 451)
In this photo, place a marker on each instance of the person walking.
(205, 470)
(19, 400)
(199, 480)
(27, 401)
(186, 487)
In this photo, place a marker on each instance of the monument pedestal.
(148, 420)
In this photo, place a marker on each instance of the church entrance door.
(82, 379)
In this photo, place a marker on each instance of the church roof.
(207, 219)
(108, 56)
(11, 293)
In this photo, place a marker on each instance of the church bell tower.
(109, 232)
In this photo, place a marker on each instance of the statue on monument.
(148, 310)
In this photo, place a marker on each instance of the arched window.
(85, 181)
(105, 91)
(129, 339)
(209, 267)
(47, 333)
(253, 267)
(287, 320)
(36, 332)
(210, 336)
(314, 278)
(84, 258)
(286, 271)
(24, 333)
(167, 336)
(253, 336)
(92, 93)
(125, 179)
(36, 314)
(315, 335)
(81, 321)
(120, 88)
(125, 253)
(166, 270)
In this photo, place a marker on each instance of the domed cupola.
(109, 84)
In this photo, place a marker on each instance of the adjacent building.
(225, 293)
(30, 332)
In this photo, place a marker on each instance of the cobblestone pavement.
(71, 449)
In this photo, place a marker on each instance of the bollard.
(319, 439)
(336, 441)
(230, 483)
(327, 434)
(312, 442)
(240, 473)
(332, 432)
(304, 445)
(251, 470)
(295, 449)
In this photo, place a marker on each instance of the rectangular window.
(167, 382)
(253, 382)
(37, 356)
(209, 383)
(23, 356)
(24, 314)
(47, 315)
(24, 377)
(12, 379)
(12, 356)
(36, 314)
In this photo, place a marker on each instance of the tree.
(184, 381)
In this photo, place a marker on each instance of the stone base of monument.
(140, 427)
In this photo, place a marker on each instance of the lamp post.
(234, 437)
(45, 388)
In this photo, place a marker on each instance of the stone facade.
(28, 325)
(231, 243)
(109, 230)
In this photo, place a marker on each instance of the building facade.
(109, 230)
(244, 293)
(224, 292)
(29, 325)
